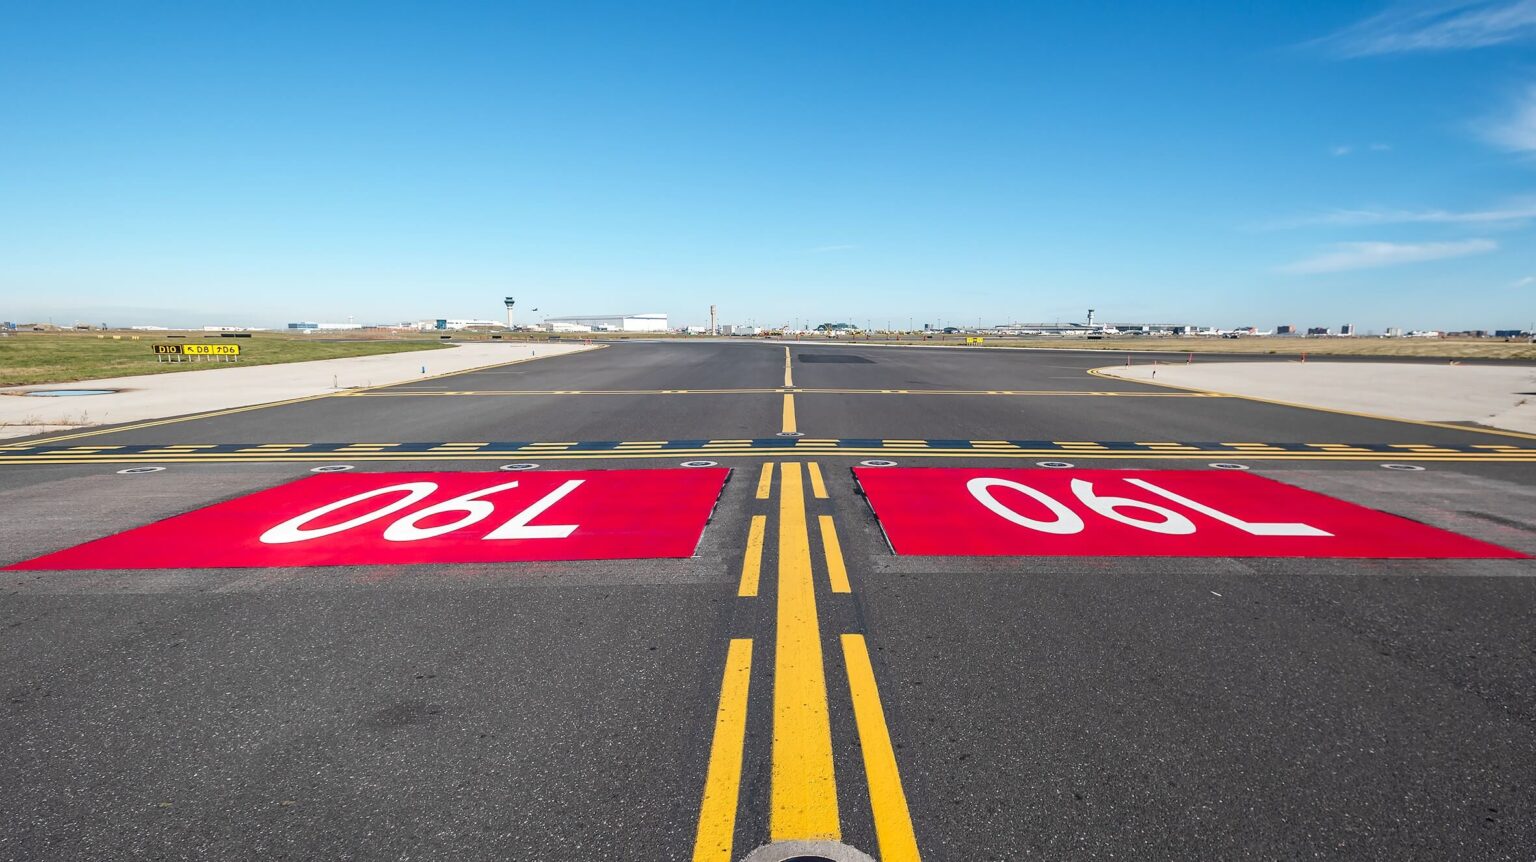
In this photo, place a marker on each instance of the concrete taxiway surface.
(793, 680)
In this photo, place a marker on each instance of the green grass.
(28, 358)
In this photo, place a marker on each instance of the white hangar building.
(616, 322)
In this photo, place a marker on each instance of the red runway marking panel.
(1128, 513)
(405, 518)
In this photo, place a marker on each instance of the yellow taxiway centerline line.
(887, 800)
(752, 562)
(722, 782)
(832, 550)
(789, 375)
(803, 787)
(789, 414)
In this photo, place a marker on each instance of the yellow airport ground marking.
(765, 481)
(1454, 427)
(803, 787)
(887, 800)
(1520, 456)
(832, 549)
(1078, 444)
(518, 393)
(818, 487)
(752, 562)
(789, 414)
(722, 781)
(789, 374)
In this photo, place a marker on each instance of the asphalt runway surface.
(794, 684)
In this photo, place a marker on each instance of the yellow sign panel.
(970, 339)
(198, 349)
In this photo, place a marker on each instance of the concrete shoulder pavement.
(1495, 396)
(157, 396)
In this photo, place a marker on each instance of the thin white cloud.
(828, 249)
(1370, 255)
(1380, 148)
(1342, 150)
(1510, 214)
(1517, 130)
(1447, 25)
(1525, 282)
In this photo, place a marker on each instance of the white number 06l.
(1165, 520)
(406, 529)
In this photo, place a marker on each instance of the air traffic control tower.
(510, 301)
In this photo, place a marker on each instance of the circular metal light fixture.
(332, 468)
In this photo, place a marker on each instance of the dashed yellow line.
(722, 782)
(752, 561)
(832, 550)
(818, 486)
(887, 800)
(765, 481)
(803, 786)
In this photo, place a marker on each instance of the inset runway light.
(877, 462)
(1401, 467)
(700, 464)
(134, 471)
(1228, 465)
(332, 468)
(1058, 465)
(513, 468)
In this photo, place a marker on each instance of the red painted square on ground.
(1130, 513)
(346, 519)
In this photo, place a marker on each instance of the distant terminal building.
(466, 323)
(1285, 329)
(1510, 333)
(307, 327)
(1152, 328)
(616, 322)
(1347, 329)
(1318, 330)
(1060, 329)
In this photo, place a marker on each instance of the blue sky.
(1223, 164)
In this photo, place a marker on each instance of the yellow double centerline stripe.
(803, 802)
